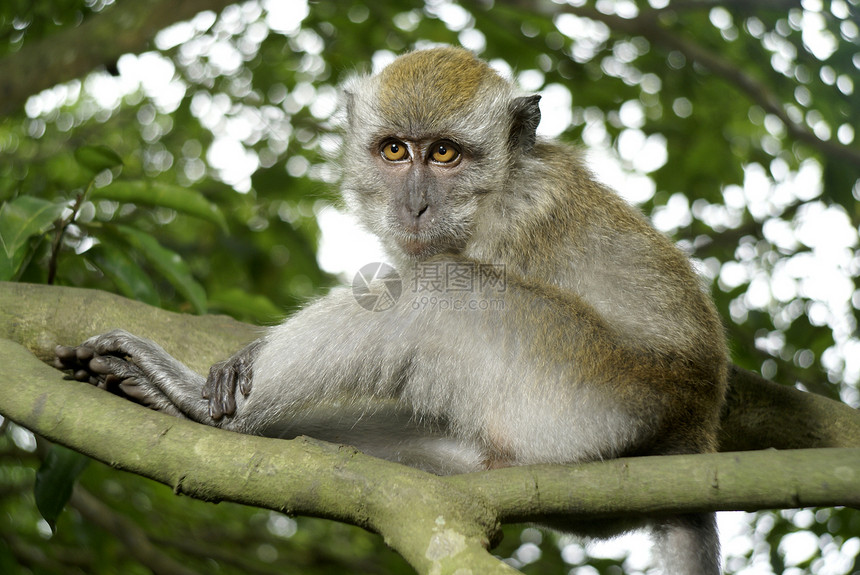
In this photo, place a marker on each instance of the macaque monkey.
(541, 318)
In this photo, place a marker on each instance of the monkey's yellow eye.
(444, 152)
(394, 151)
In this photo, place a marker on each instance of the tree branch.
(126, 27)
(761, 414)
(436, 523)
(666, 485)
(442, 523)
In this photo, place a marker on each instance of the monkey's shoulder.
(555, 196)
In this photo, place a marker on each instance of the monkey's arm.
(141, 370)
(509, 371)
(505, 373)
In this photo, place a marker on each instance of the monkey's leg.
(139, 369)
(384, 429)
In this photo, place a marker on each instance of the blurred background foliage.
(196, 174)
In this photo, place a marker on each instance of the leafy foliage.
(55, 481)
(191, 176)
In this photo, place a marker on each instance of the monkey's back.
(568, 230)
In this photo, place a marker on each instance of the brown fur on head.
(432, 84)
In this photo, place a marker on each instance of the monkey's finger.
(228, 401)
(228, 390)
(244, 375)
(116, 342)
(64, 353)
(245, 382)
(82, 375)
(62, 365)
(216, 408)
(84, 353)
(221, 387)
(215, 411)
(111, 382)
(109, 365)
(147, 395)
(220, 405)
(132, 388)
(65, 358)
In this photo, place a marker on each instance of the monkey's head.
(427, 139)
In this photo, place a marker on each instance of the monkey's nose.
(415, 215)
(416, 202)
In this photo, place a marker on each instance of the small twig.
(61, 226)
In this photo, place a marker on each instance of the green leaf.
(243, 305)
(97, 158)
(147, 193)
(21, 219)
(55, 480)
(167, 262)
(125, 273)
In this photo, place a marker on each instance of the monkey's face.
(427, 140)
(427, 212)
(419, 192)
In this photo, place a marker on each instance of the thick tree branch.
(655, 486)
(127, 27)
(434, 526)
(40, 316)
(760, 414)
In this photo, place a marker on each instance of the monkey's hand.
(132, 367)
(226, 377)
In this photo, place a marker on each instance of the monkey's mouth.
(420, 245)
(420, 248)
(415, 247)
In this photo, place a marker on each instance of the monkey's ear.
(526, 117)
